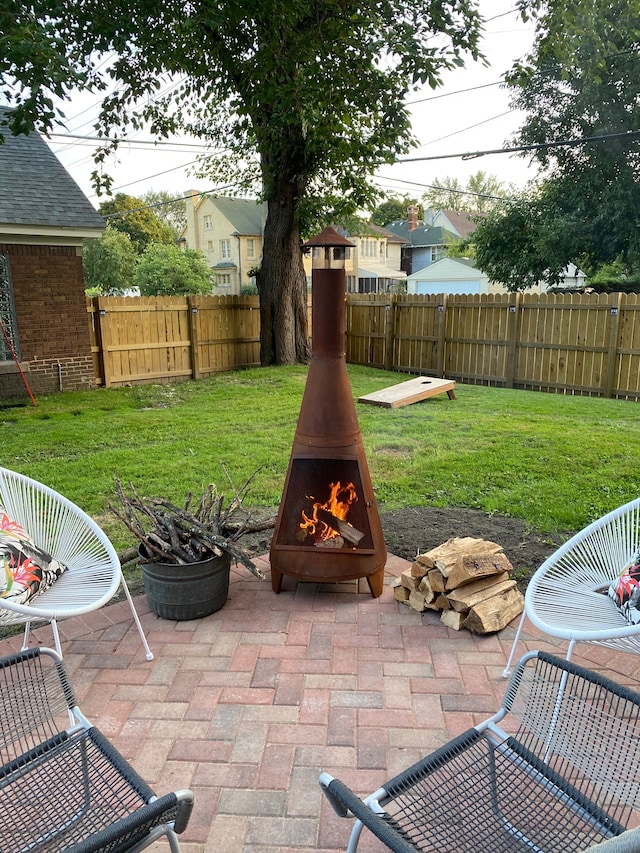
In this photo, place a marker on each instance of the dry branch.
(175, 535)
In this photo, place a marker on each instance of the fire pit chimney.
(328, 528)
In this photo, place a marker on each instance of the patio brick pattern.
(246, 706)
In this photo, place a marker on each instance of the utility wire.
(470, 155)
(122, 213)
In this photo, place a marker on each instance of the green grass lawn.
(556, 462)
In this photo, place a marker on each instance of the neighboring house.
(426, 242)
(228, 232)
(573, 279)
(376, 263)
(449, 275)
(44, 219)
(373, 265)
(455, 222)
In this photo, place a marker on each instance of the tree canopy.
(170, 208)
(580, 90)
(168, 271)
(108, 263)
(306, 98)
(137, 220)
(395, 209)
(481, 193)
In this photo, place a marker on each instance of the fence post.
(102, 338)
(512, 339)
(614, 324)
(441, 342)
(192, 310)
(389, 328)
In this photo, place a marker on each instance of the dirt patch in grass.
(414, 530)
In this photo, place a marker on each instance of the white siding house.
(449, 275)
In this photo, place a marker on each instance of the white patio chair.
(64, 531)
(567, 596)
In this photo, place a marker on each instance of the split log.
(470, 567)
(452, 619)
(401, 593)
(416, 601)
(495, 613)
(453, 549)
(441, 602)
(338, 525)
(417, 569)
(436, 579)
(426, 589)
(409, 581)
(466, 597)
(332, 542)
(426, 560)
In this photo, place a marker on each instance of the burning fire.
(338, 504)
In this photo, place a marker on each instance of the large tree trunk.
(282, 284)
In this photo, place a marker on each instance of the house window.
(223, 279)
(436, 253)
(369, 248)
(225, 248)
(7, 313)
(209, 245)
(251, 248)
(208, 225)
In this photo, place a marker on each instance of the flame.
(338, 504)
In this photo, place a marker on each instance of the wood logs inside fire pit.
(467, 580)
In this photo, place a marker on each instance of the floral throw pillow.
(26, 571)
(625, 591)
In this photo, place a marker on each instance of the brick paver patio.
(247, 705)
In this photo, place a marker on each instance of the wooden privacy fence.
(570, 344)
(563, 343)
(165, 338)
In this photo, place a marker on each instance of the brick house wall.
(51, 316)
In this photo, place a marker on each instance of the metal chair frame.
(567, 596)
(555, 770)
(67, 533)
(64, 787)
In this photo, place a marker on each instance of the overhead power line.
(563, 143)
(121, 213)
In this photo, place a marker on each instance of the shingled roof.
(420, 237)
(245, 215)
(38, 192)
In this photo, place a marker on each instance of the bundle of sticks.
(191, 532)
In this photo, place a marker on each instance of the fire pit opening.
(325, 506)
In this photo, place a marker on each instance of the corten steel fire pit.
(328, 528)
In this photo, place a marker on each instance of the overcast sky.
(469, 113)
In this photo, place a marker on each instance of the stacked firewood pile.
(467, 581)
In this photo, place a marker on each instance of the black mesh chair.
(556, 769)
(63, 786)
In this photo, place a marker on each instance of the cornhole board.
(412, 391)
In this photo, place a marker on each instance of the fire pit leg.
(276, 579)
(376, 582)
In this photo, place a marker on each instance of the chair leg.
(507, 669)
(136, 618)
(56, 636)
(354, 838)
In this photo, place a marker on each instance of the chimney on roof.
(412, 216)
